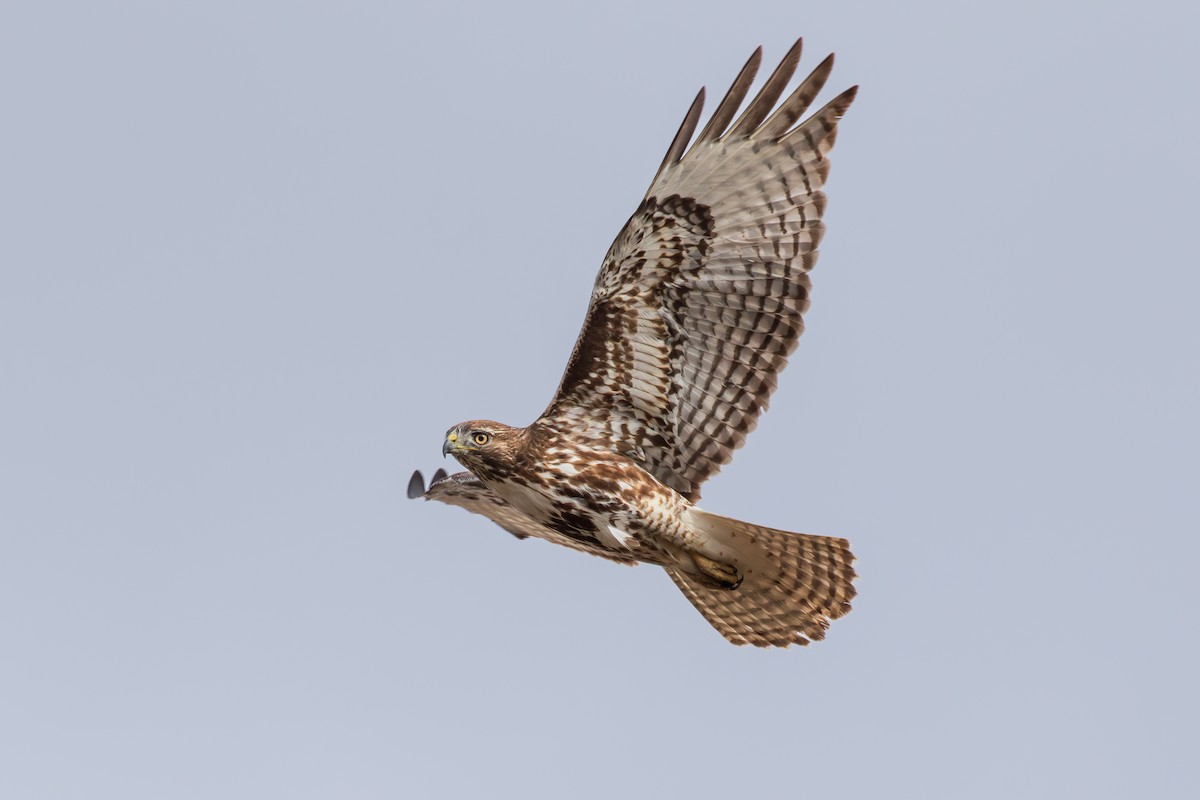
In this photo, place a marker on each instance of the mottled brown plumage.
(696, 308)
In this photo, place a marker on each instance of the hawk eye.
(480, 438)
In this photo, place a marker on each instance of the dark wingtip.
(416, 485)
(438, 477)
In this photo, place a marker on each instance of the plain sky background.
(256, 257)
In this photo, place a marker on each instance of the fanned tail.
(792, 584)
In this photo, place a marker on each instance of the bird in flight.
(697, 306)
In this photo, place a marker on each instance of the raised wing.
(464, 490)
(700, 299)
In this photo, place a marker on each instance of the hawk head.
(483, 446)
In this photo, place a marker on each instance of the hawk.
(697, 306)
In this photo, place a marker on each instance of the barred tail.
(792, 585)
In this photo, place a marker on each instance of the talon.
(722, 575)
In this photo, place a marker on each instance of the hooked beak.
(451, 444)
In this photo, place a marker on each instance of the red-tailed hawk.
(696, 309)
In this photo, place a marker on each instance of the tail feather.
(792, 585)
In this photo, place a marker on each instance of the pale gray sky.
(256, 257)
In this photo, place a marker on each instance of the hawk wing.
(699, 301)
(464, 490)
